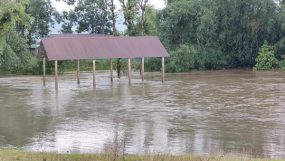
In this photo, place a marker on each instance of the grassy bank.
(15, 155)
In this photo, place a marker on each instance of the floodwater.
(235, 111)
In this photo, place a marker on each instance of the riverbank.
(16, 155)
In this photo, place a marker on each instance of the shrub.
(189, 57)
(185, 58)
(212, 58)
(15, 55)
(266, 59)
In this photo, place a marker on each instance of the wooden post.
(44, 71)
(163, 70)
(130, 70)
(56, 74)
(111, 70)
(78, 72)
(94, 69)
(142, 70)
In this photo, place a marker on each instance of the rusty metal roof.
(78, 47)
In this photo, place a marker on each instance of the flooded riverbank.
(235, 111)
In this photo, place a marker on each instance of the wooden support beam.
(162, 70)
(44, 71)
(56, 74)
(94, 70)
(130, 70)
(78, 72)
(111, 71)
(142, 70)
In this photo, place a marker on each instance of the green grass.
(16, 155)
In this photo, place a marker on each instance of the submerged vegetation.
(14, 155)
(201, 35)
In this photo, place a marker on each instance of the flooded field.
(236, 111)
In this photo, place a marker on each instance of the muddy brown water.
(235, 111)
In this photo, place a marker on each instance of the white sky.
(61, 6)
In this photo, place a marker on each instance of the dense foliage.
(199, 34)
(14, 56)
(92, 17)
(14, 53)
(266, 59)
(224, 33)
(41, 21)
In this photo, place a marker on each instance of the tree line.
(198, 34)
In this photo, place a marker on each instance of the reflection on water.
(200, 112)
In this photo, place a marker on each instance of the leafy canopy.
(42, 19)
(92, 17)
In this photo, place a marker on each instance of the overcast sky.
(61, 6)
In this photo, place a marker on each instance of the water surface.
(234, 111)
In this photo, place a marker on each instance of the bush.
(212, 58)
(15, 57)
(188, 57)
(185, 58)
(266, 59)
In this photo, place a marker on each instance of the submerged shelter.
(91, 47)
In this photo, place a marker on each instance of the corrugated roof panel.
(68, 47)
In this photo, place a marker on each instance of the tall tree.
(242, 27)
(142, 4)
(179, 22)
(12, 13)
(226, 33)
(112, 8)
(14, 56)
(68, 21)
(92, 17)
(129, 8)
(42, 19)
